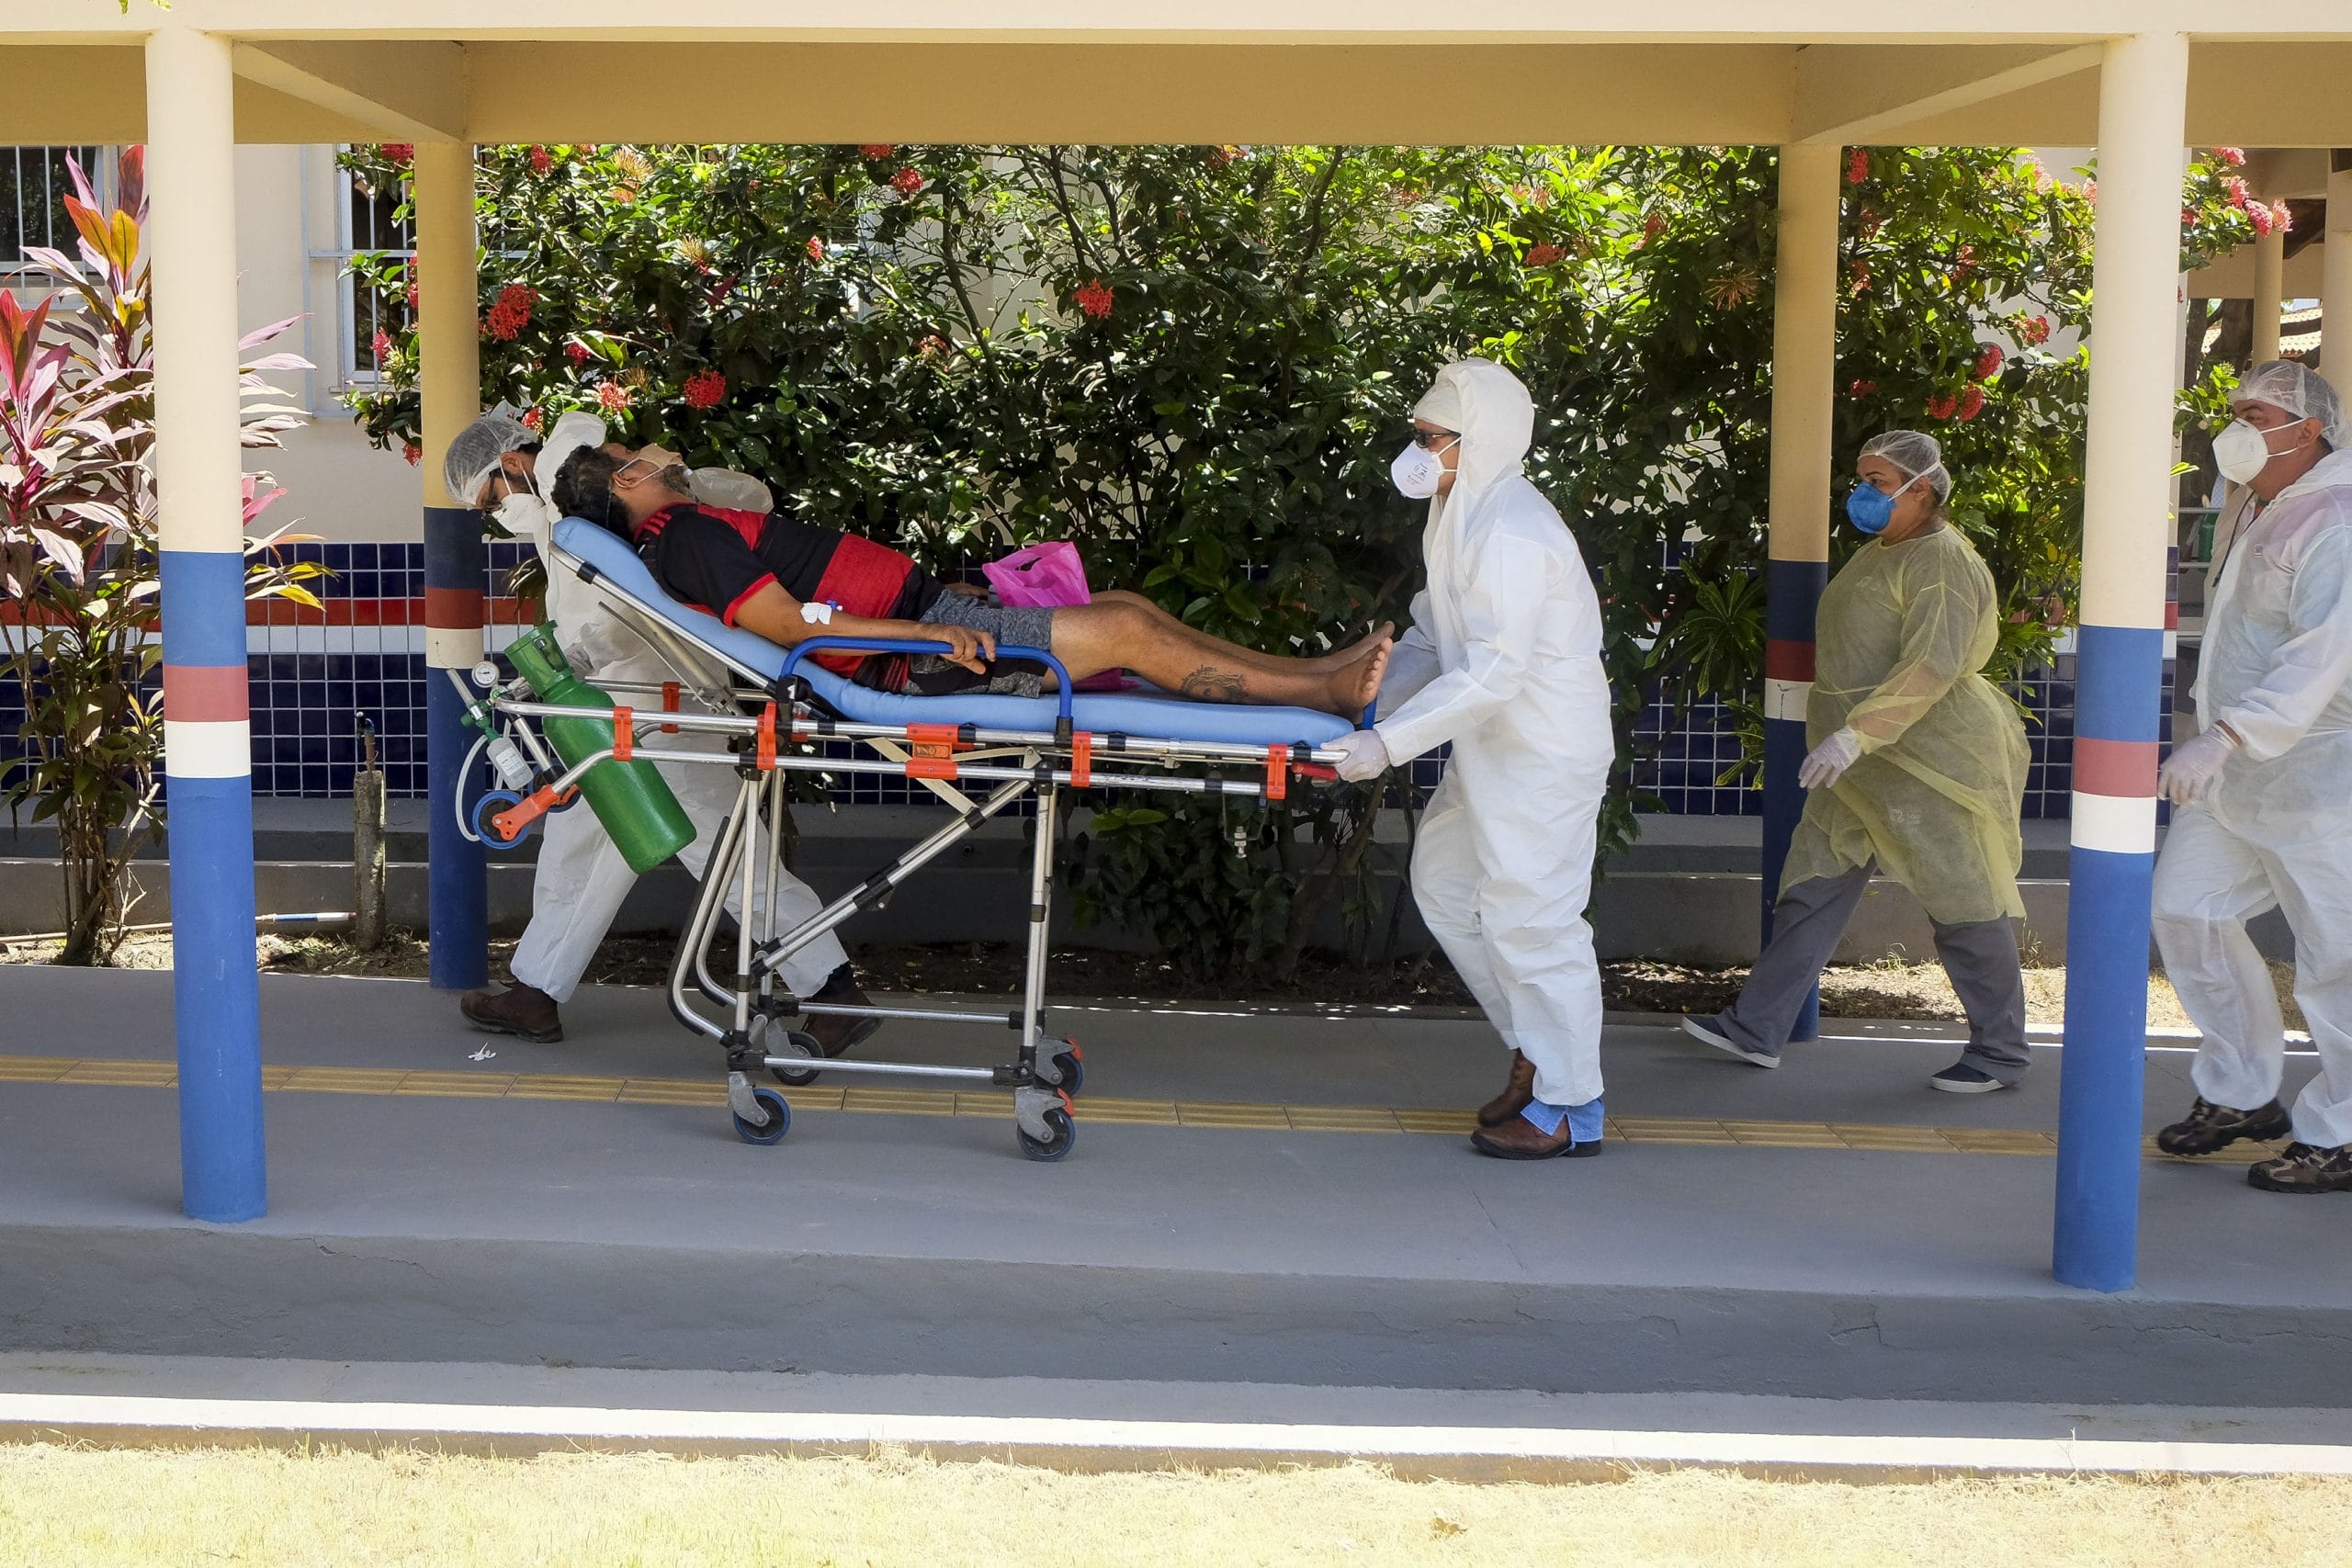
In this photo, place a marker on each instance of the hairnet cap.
(1442, 404)
(478, 450)
(1915, 452)
(2301, 391)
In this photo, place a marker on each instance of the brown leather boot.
(1515, 1096)
(835, 1034)
(520, 1009)
(1521, 1139)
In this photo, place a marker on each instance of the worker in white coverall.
(2262, 796)
(1503, 659)
(499, 466)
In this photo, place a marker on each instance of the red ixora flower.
(534, 420)
(932, 348)
(1093, 298)
(1858, 164)
(1860, 273)
(540, 161)
(399, 154)
(2090, 192)
(2033, 331)
(2260, 216)
(1971, 402)
(2187, 216)
(2280, 215)
(906, 182)
(1988, 361)
(412, 452)
(612, 397)
(2233, 156)
(875, 152)
(1653, 225)
(1964, 263)
(512, 312)
(1941, 405)
(2235, 189)
(816, 249)
(705, 390)
(1858, 390)
(576, 352)
(1544, 255)
(382, 344)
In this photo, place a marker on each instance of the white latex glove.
(1827, 762)
(1362, 756)
(2191, 769)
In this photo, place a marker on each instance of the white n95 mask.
(2243, 450)
(1417, 472)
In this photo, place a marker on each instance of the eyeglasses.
(1430, 440)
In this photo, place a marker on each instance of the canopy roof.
(1988, 72)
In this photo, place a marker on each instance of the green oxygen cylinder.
(629, 798)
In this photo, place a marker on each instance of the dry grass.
(60, 1505)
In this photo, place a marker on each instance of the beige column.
(1804, 351)
(2335, 278)
(2270, 290)
(448, 298)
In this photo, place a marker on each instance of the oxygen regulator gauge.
(486, 674)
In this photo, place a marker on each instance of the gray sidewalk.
(1730, 1243)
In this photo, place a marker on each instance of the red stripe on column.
(2115, 767)
(2172, 615)
(453, 609)
(1785, 660)
(204, 694)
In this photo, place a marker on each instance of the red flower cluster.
(540, 161)
(875, 152)
(932, 348)
(2261, 218)
(705, 389)
(534, 420)
(906, 182)
(412, 283)
(576, 352)
(2235, 188)
(399, 154)
(2281, 216)
(2187, 216)
(1941, 405)
(2033, 331)
(1964, 264)
(412, 452)
(1858, 390)
(1652, 225)
(2090, 192)
(1971, 402)
(1869, 222)
(1220, 156)
(1093, 298)
(1544, 255)
(512, 312)
(1988, 361)
(816, 249)
(1861, 273)
(1858, 164)
(2234, 157)
(382, 344)
(612, 397)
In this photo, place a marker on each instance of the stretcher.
(779, 712)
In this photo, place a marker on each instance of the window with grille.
(366, 225)
(34, 183)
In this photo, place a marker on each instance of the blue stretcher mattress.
(1152, 714)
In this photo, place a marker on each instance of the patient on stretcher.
(787, 580)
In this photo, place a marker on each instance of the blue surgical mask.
(1870, 509)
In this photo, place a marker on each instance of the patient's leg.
(1122, 634)
(1336, 658)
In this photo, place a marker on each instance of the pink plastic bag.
(1049, 576)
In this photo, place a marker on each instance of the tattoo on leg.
(1211, 684)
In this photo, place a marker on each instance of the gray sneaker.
(1705, 1029)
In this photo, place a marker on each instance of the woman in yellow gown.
(1917, 768)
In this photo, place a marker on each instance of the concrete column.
(207, 736)
(449, 364)
(2336, 277)
(1805, 359)
(2269, 292)
(2126, 537)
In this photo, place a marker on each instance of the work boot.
(1521, 1139)
(2304, 1168)
(1516, 1096)
(2209, 1127)
(835, 1034)
(519, 1009)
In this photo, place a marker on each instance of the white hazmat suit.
(1503, 659)
(2275, 827)
(581, 878)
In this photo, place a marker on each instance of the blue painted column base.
(216, 1000)
(455, 564)
(2102, 1079)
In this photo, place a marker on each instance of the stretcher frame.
(772, 728)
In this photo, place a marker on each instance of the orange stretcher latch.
(765, 758)
(1277, 772)
(933, 749)
(1081, 759)
(624, 734)
(669, 704)
(512, 822)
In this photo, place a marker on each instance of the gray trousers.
(1980, 957)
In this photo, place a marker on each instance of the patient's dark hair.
(584, 488)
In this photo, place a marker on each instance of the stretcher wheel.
(1064, 1137)
(798, 1077)
(1069, 1070)
(773, 1129)
(490, 805)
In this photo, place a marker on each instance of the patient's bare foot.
(1353, 688)
(1340, 658)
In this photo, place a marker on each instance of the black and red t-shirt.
(715, 559)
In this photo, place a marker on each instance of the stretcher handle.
(894, 645)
